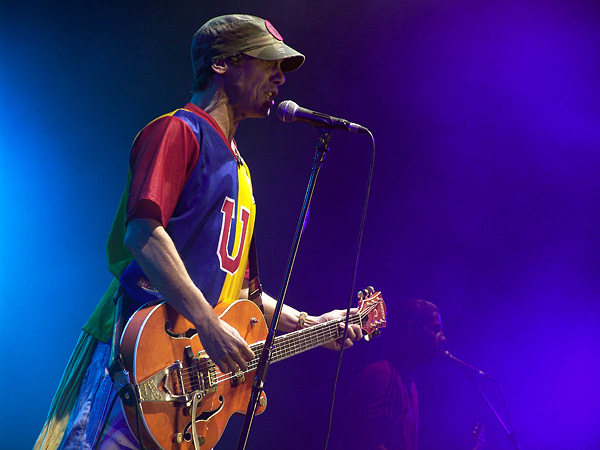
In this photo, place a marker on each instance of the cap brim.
(292, 59)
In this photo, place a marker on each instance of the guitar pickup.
(204, 374)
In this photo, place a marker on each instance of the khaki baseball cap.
(230, 35)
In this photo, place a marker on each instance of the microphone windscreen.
(286, 110)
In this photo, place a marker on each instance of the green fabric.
(66, 395)
(117, 255)
(97, 328)
(100, 324)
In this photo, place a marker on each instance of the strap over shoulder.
(255, 288)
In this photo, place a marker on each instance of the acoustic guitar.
(182, 400)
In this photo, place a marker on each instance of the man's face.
(252, 85)
(431, 338)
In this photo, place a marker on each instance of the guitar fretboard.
(296, 342)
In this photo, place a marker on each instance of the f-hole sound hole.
(203, 416)
(185, 335)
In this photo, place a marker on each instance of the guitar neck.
(297, 342)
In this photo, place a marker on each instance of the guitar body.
(157, 337)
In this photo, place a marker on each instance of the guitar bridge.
(237, 378)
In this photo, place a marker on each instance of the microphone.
(288, 111)
(450, 358)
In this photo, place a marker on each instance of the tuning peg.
(375, 333)
(365, 292)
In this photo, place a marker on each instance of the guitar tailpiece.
(198, 440)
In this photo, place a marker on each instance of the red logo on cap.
(273, 31)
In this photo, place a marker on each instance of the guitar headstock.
(371, 308)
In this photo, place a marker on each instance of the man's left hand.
(354, 331)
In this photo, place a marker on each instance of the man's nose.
(278, 77)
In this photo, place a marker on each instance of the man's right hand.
(224, 345)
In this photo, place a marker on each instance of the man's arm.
(156, 254)
(288, 320)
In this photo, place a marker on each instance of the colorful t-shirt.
(187, 176)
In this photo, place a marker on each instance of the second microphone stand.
(510, 434)
(264, 360)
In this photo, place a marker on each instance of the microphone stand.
(510, 434)
(264, 360)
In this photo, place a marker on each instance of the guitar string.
(288, 345)
(283, 348)
(316, 334)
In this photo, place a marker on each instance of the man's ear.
(220, 66)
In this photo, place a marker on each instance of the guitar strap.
(118, 375)
(116, 370)
(254, 286)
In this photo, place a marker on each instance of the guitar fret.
(308, 338)
(296, 342)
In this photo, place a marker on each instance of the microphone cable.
(353, 287)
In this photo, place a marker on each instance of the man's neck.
(215, 104)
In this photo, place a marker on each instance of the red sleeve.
(163, 157)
